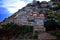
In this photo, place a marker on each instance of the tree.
(51, 25)
(56, 8)
(12, 29)
(56, 33)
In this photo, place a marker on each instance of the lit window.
(34, 14)
(15, 16)
(42, 15)
(30, 14)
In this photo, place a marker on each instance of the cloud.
(14, 5)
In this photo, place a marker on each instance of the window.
(34, 14)
(40, 22)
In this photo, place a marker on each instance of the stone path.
(46, 36)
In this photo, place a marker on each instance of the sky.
(9, 7)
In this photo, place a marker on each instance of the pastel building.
(39, 26)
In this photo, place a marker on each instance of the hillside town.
(36, 11)
(36, 14)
